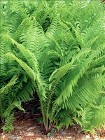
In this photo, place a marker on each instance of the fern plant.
(57, 49)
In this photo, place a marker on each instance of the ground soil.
(27, 128)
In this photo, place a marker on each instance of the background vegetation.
(55, 51)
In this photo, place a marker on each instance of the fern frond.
(27, 69)
(11, 83)
(76, 74)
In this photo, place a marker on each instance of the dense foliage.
(55, 49)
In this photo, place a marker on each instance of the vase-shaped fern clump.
(55, 49)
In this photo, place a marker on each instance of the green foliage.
(56, 48)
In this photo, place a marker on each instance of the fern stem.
(0, 107)
(48, 107)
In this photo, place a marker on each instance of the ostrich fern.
(56, 48)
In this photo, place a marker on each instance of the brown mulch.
(27, 128)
